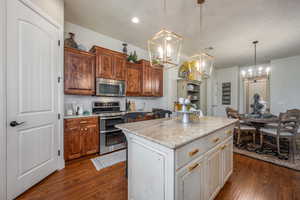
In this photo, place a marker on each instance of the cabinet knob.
(216, 140)
(194, 166)
(85, 129)
(83, 122)
(192, 153)
(223, 147)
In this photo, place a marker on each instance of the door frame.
(3, 94)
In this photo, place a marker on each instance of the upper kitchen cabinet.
(157, 81)
(147, 78)
(109, 64)
(134, 79)
(79, 72)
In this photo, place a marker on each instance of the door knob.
(15, 123)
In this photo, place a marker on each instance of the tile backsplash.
(145, 104)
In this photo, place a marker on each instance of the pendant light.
(255, 71)
(202, 63)
(165, 46)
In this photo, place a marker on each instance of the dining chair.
(241, 127)
(288, 126)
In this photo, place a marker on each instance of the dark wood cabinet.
(81, 137)
(133, 79)
(157, 81)
(147, 78)
(144, 80)
(79, 72)
(109, 64)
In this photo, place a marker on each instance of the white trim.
(2, 99)
(3, 9)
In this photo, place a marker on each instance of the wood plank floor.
(251, 180)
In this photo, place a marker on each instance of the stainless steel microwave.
(110, 88)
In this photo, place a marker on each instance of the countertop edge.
(174, 146)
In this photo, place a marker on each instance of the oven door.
(107, 87)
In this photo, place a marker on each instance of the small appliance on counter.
(111, 138)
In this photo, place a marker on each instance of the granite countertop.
(172, 133)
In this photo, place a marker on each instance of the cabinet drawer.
(198, 147)
(80, 122)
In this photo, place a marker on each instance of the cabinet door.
(90, 137)
(213, 173)
(227, 159)
(104, 66)
(134, 80)
(157, 82)
(190, 182)
(79, 72)
(72, 143)
(147, 79)
(119, 67)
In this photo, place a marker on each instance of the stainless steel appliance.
(111, 88)
(111, 138)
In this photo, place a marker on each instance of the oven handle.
(117, 117)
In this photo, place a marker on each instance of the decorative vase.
(70, 42)
(125, 48)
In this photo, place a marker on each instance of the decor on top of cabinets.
(133, 57)
(165, 46)
(79, 72)
(70, 42)
(109, 64)
(125, 51)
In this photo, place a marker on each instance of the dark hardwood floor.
(251, 180)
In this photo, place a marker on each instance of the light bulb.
(160, 51)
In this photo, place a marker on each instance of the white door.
(190, 181)
(32, 98)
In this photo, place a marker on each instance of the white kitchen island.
(168, 160)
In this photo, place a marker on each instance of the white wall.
(221, 76)
(2, 101)
(88, 38)
(285, 84)
(54, 8)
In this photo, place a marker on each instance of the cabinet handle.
(194, 166)
(223, 147)
(83, 122)
(192, 153)
(71, 129)
(216, 140)
(229, 132)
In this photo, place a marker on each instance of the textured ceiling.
(229, 26)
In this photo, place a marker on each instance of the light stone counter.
(172, 133)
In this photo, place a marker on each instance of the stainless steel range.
(111, 138)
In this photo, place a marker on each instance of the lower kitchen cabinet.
(81, 137)
(190, 181)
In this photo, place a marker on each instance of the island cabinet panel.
(79, 72)
(81, 137)
(190, 181)
(213, 173)
(109, 64)
(227, 160)
(133, 80)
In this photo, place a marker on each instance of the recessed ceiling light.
(135, 20)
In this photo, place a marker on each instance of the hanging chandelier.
(165, 46)
(255, 71)
(202, 63)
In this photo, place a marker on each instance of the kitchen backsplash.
(145, 104)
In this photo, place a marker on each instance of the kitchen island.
(168, 160)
